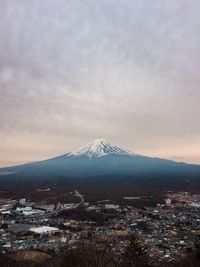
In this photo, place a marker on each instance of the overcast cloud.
(72, 71)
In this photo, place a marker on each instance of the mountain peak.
(100, 147)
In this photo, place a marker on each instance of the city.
(99, 133)
(167, 231)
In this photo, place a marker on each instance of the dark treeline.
(134, 256)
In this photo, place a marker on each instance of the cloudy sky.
(125, 70)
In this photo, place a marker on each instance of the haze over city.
(72, 71)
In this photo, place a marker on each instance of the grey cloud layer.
(74, 70)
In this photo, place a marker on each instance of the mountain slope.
(101, 158)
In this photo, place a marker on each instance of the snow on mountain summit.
(99, 148)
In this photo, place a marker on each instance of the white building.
(29, 211)
(168, 201)
(44, 230)
(22, 201)
(111, 206)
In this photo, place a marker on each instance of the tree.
(88, 257)
(135, 255)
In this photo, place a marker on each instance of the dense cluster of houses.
(166, 231)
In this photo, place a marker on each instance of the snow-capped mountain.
(99, 148)
(100, 158)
